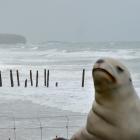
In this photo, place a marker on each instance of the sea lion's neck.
(111, 96)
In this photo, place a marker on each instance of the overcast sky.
(71, 20)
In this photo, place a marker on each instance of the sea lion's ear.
(119, 69)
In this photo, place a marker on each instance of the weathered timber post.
(37, 78)
(45, 80)
(11, 78)
(18, 83)
(48, 77)
(83, 78)
(56, 84)
(25, 83)
(31, 77)
(0, 80)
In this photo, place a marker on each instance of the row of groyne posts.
(46, 78)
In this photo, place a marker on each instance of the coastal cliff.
(12, 39)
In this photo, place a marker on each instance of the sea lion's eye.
(119, 69)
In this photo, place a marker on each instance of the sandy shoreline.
(28, 117)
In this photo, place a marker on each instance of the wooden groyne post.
(0, 80)
(37, 78)
(11, 78)
(56, 84)
(31, 77)
(26, 83)
(48, 77)
(18, 82)
(45, 80)
(83, 78)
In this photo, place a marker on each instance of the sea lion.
(115, 114)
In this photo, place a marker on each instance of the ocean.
(65, 60)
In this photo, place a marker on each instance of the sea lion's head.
(109, 73)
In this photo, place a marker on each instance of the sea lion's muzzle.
(106, 72)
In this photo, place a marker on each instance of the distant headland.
(12, 39)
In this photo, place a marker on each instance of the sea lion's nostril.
(100, 61)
